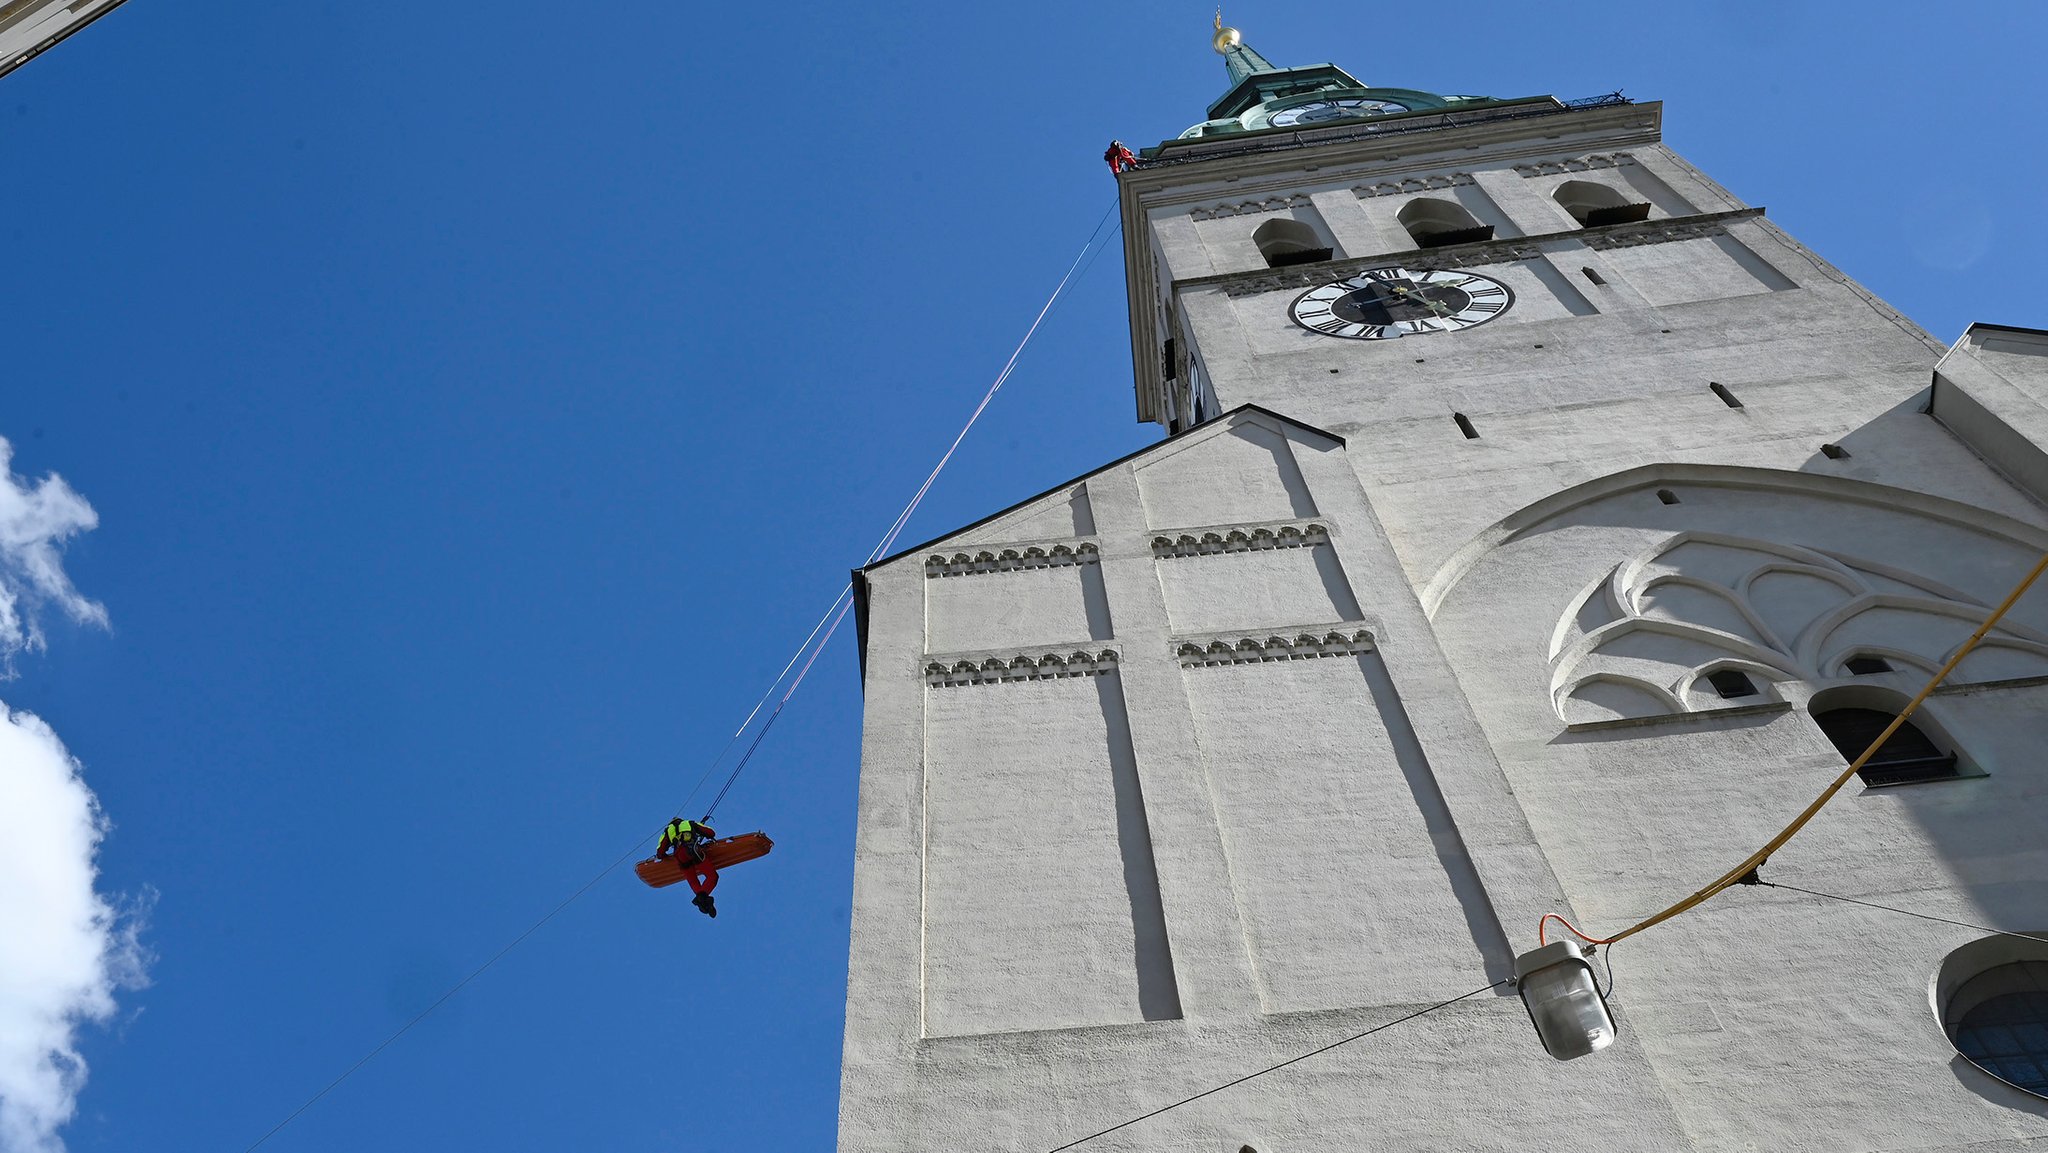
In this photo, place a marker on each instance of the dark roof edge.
(1976, 324)
(1097, 471)
(7, 66)
(860, 620)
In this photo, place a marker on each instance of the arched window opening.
(1907, 757)
(1434, 223)
(1284, 242)
(1834, 452)
(1593, 205)
(1865, 665)
(1999, 1020)
(1667, 496)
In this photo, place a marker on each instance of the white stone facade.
(1298, 721)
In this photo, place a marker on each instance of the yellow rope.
(1755, 859)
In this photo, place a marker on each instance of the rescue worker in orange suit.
(685, 840)
(1119, 157)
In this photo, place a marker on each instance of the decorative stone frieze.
(1477, 254)
(1582, 164)
(1033, 666)
(1009, 559)
(1413, 185)
(1257, 648)
(1249, 207)
(1211, 542)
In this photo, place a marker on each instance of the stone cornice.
(1378, 157)
(1263, 647)
(1687, 228)
(1010, 558)
(1764, 709)
(1033, 665)
(1476, 254)
(1248, 538)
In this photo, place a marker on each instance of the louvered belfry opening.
(1906, 758)
(1617, 214)
(1286, 242)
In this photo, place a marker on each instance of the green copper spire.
(1240, 58)
(1265, 96)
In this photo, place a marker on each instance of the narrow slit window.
(1593, 276)
(1731, 684)
(1863, 666)
(1834, 452)
(1727, 398)
(1465, 426)
(1667, 496)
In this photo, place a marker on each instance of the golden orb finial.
(1225, 38)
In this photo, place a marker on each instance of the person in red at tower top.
(1119, 157)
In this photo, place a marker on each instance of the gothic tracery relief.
(1642, 641)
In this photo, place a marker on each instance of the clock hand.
(1411, 296)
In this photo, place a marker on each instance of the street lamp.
(1564, 1000)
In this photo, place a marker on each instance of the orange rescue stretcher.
(719, 854)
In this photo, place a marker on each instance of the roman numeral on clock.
(1412, 301)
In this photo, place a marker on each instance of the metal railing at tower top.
(1177, 152)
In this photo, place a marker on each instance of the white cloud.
(35, 521)
(64, 948)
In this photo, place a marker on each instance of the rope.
(1009, 366)
(829, 623)
(770, 723)
(1271, 1068)
(1750, 863)
(1904, 912)
(756, 710)
(903, 518)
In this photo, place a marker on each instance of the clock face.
(1318, 111)
(1382, 303)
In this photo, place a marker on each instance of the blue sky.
(477, 411)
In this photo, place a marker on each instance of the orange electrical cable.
(1750, 863)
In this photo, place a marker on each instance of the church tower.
(1537, 525)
